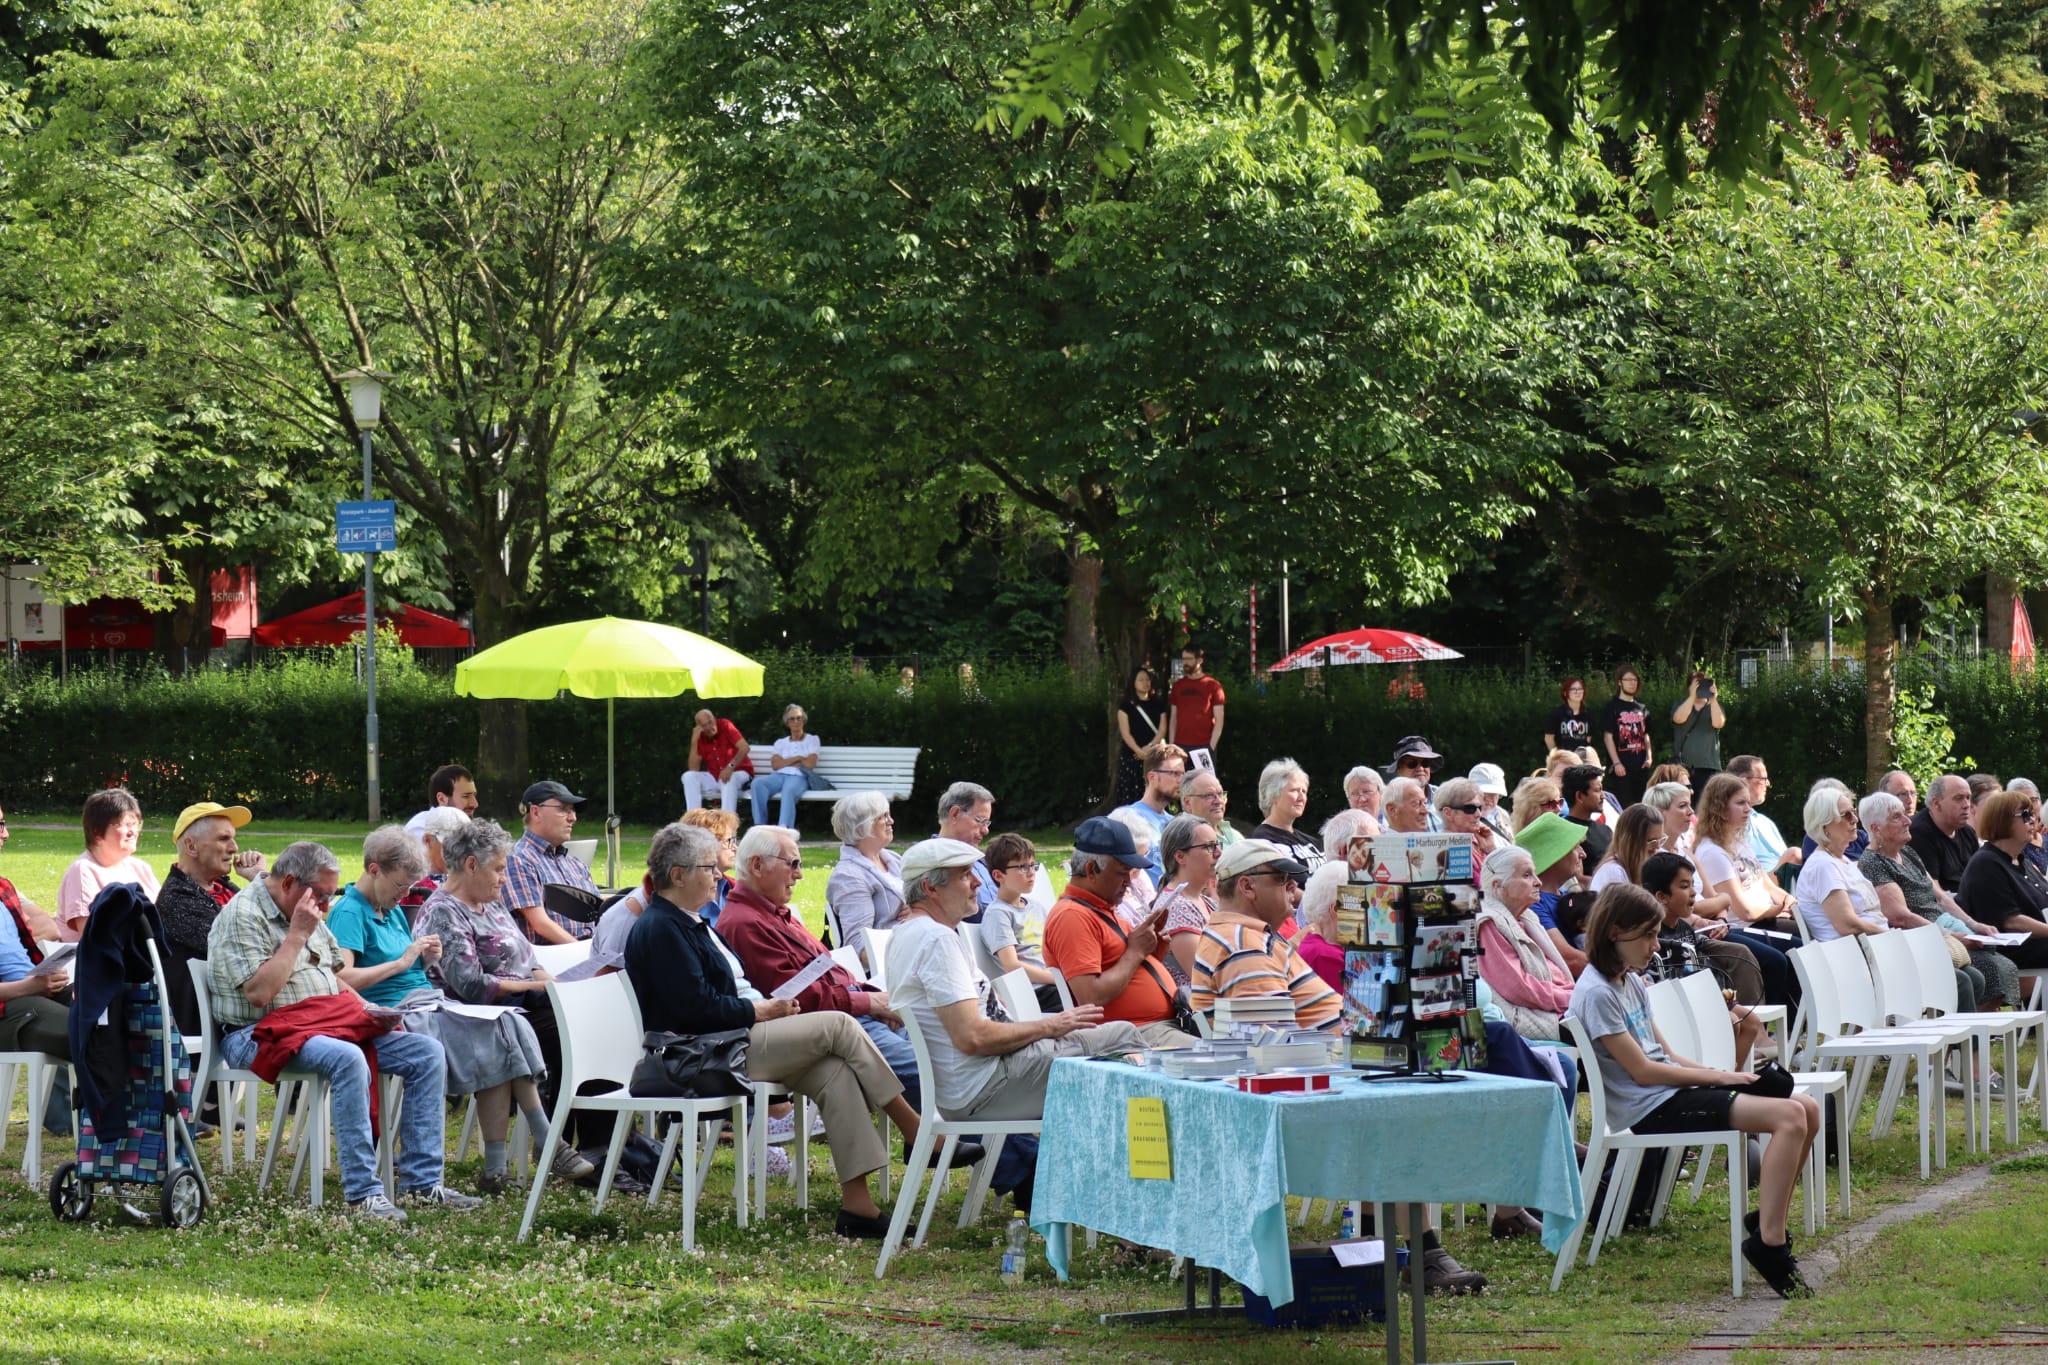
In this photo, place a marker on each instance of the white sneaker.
(440, 1196)
(377, 1206)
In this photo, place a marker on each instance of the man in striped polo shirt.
(1242, 952)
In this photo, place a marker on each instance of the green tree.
(1826, 383)
(1224, 353)
(1755, 67)
(434, 189)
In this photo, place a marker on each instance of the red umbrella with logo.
(1367, 647)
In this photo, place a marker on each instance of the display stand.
(1406, 922)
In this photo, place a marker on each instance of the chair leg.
(41, 1085)
(688, 1123)
(1699, 1175)
(622, 1125)
(1895, 1074)
(906, 1197)
(1738, 1204)
(978, 1183)
(802, 1154)
(1596, 1156)
(940, 1173)
(1620, 1189)
(466, 1131)
(556, 1125)
(662, 1167)
(280, 1119)
(7, 1074)
(882, 1127)
(757, 1156)
(1843, 1127)
(740, 1148)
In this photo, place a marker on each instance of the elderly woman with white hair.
(1835, 899)
(865, 890)
(497, 1060)
(1531, 984)
(1137, 903)
(1909, 896)
(1342, 831)
(1363, 789)
(1283, 797)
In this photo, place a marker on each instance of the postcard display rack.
(1411, 957)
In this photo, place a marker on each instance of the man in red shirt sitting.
(1104, 965)
(718, 763)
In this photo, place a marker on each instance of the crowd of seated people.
(1164, 908)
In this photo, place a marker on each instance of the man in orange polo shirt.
(1103, 964)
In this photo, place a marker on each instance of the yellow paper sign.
(1145, 1134)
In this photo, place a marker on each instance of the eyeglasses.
(554, 805)
(1169, 772)
(1216, 795)
(793, 864)
(2029, 815)
(1015, 867)
(1472, 809)
(728, 843)
(1211, 847)
(980, 821)
(696, 867)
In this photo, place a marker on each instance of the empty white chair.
(1628, 1148)
(600, 1028)
(2010, 1028)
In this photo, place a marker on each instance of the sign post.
(365, 528)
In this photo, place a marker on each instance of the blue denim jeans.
(895, 1048)
(415, 1059)
(786, 785)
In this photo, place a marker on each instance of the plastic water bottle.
(1348, 1229)
(1016, 1247)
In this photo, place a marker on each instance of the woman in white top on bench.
(789, 761)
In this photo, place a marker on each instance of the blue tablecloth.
(1236, 1158)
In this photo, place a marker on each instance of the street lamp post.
(366, 406)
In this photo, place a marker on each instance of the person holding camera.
(1699, 719)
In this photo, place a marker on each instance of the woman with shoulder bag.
(685, 986)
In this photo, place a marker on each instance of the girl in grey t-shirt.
(1652, 1091)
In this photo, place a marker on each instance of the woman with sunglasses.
(1013, 935)
(1459, 808)
(1999, 886)
(1188, 851)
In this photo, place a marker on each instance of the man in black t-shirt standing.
(1625, 731)
(1941, 831)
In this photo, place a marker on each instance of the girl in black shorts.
(1651, 1091)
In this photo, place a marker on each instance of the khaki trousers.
(1017, 1090)
(828, 1057)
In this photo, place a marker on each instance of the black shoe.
(1777, 1266)
(1519, 1224)
(966, 1154)
(859, 1225)
(1020, 1198)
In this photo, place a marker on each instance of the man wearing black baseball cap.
(541, 857)
(1104, 963)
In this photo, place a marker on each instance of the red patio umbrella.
(340, 621)
(1367, 647)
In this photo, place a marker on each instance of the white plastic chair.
(560, 957)
(1841, 1012)
(877, 947)
(1019, 996)
(1628, 1148)
(41, 1072)
(299, 1093)
(1929, 953)
(933, 1126)
(600, 1028)
(978, 954)
(1713, 1033)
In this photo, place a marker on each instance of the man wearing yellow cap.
(197, 887)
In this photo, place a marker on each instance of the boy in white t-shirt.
(1012, 934)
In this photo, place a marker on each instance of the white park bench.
(887, 769)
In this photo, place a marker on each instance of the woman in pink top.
(1188, 852)
(113, 822)
(1531, 984)
(1318, 916)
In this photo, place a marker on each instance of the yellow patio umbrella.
(609, 658)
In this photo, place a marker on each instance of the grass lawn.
(266, 1277)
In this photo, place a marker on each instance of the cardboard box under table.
(1230, 1160)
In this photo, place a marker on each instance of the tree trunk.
(184, 637)
(501, 748)
(1120, 618)
(1084, 585)
(1998, 594)
(1880, 689)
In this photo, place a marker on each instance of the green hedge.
(287, 737)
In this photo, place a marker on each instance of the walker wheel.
(183, 1199)
(70, 1197)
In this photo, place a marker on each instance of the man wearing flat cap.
(985, 1069)
(1104, 964)
(1242, 952)
(541, 858)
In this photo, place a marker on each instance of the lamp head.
(365, 396)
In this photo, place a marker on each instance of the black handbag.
(704, 1066)
(1773, 1082)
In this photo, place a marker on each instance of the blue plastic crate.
(1325, 1292)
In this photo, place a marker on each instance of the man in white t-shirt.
(982, 1068)
(792, 757)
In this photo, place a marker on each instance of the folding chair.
(1628, 1148)
(600, 1028)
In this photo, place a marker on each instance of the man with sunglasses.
(1415, 760)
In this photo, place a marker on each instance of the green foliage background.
(287, 738)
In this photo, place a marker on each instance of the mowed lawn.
(267, 1278)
